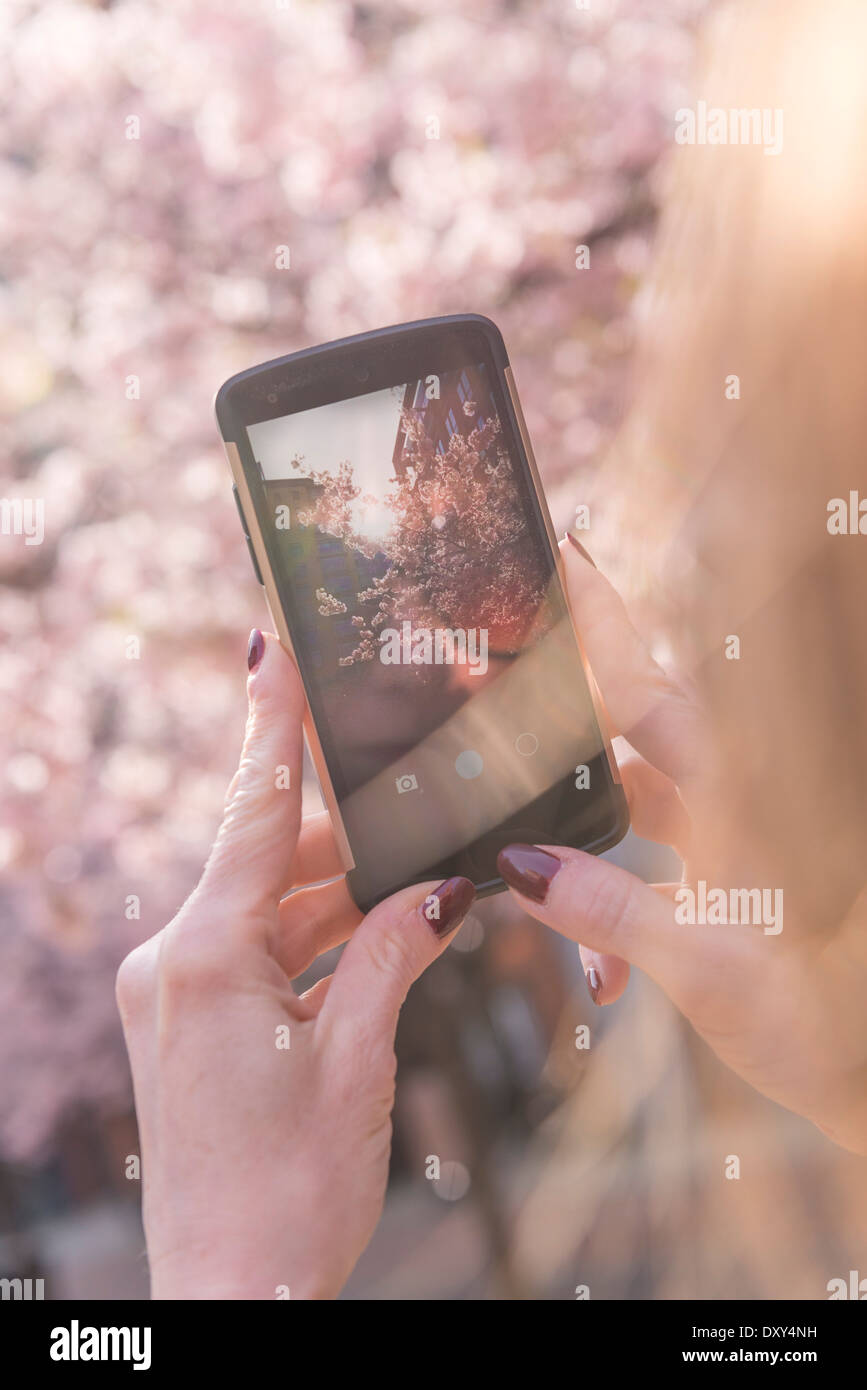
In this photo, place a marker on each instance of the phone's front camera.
(362, 373)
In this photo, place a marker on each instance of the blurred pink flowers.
(187, 190)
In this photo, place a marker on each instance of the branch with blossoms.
(459, 551)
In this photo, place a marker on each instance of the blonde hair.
(724, 486)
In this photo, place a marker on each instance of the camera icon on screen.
(407, 783)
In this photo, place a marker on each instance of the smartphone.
(393, 512)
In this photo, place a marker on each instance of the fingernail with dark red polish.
(446, 907)
(594, 984)
(579, 547)
(528, 870)
(256, 649)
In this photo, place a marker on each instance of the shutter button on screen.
(253, 560)
(469, 764)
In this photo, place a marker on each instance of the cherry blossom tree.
(460, 552)
(190, 189)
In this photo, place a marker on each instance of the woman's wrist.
(218, 1279)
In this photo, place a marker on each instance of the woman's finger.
(317, 857)
(247, 865)
(315, 996)
(606, 976)
(312, 921)
(394, 944)
(658, 716)
(656, 811)
(709, 972)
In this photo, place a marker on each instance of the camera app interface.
(431, 631)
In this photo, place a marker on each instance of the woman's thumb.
(396, 942)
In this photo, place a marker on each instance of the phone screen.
(413, 564)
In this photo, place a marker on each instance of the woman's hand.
(265, 1118)
(784, 1010)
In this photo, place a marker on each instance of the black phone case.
(263, 388)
